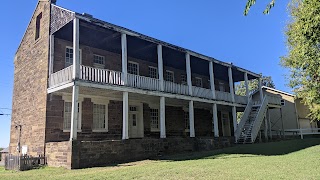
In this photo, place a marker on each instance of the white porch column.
(74, 113)
(213, 91)
(124, 58)
(76, 59)
(214, 106)
(189, 78)
(125, 118)
(215, 120)
(231, 83)
(51, 54)
(162, 117)
(160, 66)
(234, 118)
(260, 90)
(191, 119)
(247, 85)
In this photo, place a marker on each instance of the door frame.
(228, 121)
(140, 124)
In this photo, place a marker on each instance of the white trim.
(155, 93)
(276, 90)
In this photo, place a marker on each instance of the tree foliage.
(252, 2)
(303, 58)
(240, 89)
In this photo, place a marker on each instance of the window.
(38, 25)
(154, 114)
(99, 117)
(169, 76)
(186, 120)
(283, 102)
(133, 68)
(153, 72)
(69, 56)
(221, 86)
(198, 82)
(67, 116)
(98, 60)
(184, 79)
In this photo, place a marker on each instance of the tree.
(240, 89)
(252, 2)
(303, 58)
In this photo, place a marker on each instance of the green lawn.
(294, 159)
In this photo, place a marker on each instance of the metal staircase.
(251, 122)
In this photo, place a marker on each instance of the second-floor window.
(153, 72)
(69, 56)
(221, 87)
(38, 26)
(169, 76)
(98, 61)
(133, 68)
(198, 82)
(184, 79)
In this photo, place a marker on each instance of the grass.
(294, 159)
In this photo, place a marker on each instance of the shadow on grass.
(248, 150)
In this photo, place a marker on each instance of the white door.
(226, 130)
(134, 122)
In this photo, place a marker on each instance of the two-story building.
(88, 93)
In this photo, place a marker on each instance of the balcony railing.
(175, 88)
(60, 77)
(105, 76)
(142, 82)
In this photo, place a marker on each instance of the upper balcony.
(115, 56)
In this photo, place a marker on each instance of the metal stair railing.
(259, 118)
(244, 119)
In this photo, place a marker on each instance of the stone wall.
(102, 153)
(59, 154)
(30, 85)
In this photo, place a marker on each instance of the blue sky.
(214, 28)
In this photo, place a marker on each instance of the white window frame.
(105, 102)
(132, 62)
(283, 102)
(65, 58)
(151, 128)
(199, 79)
(186, 119)
(222, 86)
(168, 71)
(183, 81)
(99, 65)
(69, 100)
(157, 73)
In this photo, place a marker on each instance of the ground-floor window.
(99, 117)
(187, 120)
(67, 116)
(154, 115)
